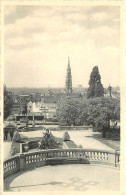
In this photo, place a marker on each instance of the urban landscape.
(57, 119)
(61, 123)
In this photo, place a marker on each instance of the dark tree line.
(8, 102)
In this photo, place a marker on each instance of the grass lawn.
(114, 144)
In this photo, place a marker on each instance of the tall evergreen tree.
(95, 86)
(68, 79)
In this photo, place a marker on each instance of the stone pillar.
(111, 159)
(117, 158)
(21, 149)
(22, 162)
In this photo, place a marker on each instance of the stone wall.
(75, 127)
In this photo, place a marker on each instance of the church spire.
(68, 61)
(68, 78)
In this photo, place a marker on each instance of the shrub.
(48, 141)
(66, 136)
(80, 146)
(16, 137)
(14, 151)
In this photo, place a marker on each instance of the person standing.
(5, 133)
(11, 134)
(39, 143)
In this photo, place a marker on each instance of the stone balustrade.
(74, 127)
(29, 160)
(11, 166)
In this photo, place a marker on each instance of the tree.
(68, 110)
(100, 111)
(95, 87)
(68, 79)
(8, 102)
(94, 111)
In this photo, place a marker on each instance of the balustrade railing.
(28, 160)
(11, 166)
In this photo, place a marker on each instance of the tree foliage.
(101, 110)
(94, 111)
(68, 110)
(8, 102)
(49, 141)
(95, 87)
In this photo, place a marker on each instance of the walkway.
(80, 137)
(83, 137)
(68, 177)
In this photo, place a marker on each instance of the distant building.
(30, 107)
(15, 105)
(24, 99)
(109, 91)
(112, 92)
(15, 108)
(46, 107)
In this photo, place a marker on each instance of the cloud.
(63, 23)
(38, 41)
(9, 10)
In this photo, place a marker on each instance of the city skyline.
(39, 39)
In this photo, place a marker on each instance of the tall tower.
(68, 79)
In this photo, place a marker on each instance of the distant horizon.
(57, 87)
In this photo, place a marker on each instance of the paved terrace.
(68, 177)
(80, 177)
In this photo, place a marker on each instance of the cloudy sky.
(39, 39)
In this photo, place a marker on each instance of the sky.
(39, 39)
